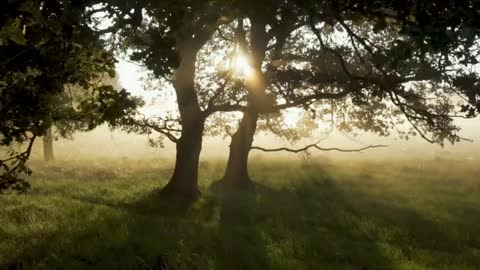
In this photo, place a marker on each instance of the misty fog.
(105, 143)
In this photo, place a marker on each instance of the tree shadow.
(143, 234)
(241, 244)
(330, 225)
(152, 202)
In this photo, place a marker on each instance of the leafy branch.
(10, 179)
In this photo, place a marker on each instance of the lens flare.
(241, 66)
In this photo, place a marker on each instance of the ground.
(315, 214)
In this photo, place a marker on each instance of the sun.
(241, 66)
(291, 117)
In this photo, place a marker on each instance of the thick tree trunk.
(184, 181)
(236, 174)
(48, 146)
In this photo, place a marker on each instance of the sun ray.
(241, 66)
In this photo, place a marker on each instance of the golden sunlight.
(291, 117)
(241, 66)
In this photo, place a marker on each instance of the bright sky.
(159, 98)
(130, 77)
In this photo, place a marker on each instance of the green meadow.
(304, 214)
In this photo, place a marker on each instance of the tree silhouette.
(45, 46)
(368, 66)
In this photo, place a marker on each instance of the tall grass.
(316, 214)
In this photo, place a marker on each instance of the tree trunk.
(48, 146)
(184, 181)
(236, 174)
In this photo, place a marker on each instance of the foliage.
(449, 28)
(351, 64)
(45, 46)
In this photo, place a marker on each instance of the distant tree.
(47, 140)
(69, 119)
(44, 46)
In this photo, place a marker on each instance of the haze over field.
(105, 143)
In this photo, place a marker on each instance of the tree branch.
(164, 130)
(220, 91)
(9, 178)
(312, 97)
(315, 146)
(225, 108)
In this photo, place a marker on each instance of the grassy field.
(302, 215)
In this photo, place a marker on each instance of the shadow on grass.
(314, 223)
(240, 239)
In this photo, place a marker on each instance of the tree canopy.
(367, 66)
(46, 46)
(382, 67)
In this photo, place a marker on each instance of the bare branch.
(409, 117)
(315, 146)
(312, 97)
(164, 130)
(357, 37)
(225, 108)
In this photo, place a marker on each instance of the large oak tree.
(373, 63)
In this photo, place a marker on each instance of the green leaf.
(14, 32)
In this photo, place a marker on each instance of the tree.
(364, 76)
(33, 78)
(69, 119)
(450, 28)
(368, 71)
(168, 43)
(171, 37)
(48, 145)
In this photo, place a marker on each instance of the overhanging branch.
(9, 178)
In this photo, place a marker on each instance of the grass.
(302, 215)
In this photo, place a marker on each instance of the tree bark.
(184, 181)
(48, 146)
(236, 174)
